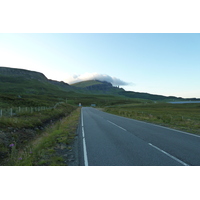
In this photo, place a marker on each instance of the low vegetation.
(185, 117)
(51, 147)
(21, 129)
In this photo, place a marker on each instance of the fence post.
(11, 111)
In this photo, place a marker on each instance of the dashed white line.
(84, 143)
(116, 125)
(183, 163)
(191, 134)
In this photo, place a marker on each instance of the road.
(110, 140)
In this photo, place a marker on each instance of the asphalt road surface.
(110, 140)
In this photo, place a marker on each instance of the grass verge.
(22, 129)
(51, 148)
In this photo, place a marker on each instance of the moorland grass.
(185, 117)
(42, 151)
(20, 130)
(31, 120)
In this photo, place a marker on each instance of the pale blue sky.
(166, 64)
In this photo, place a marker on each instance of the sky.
(157, 63)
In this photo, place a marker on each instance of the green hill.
(85, 84)
(153, 97)
(20, 81)
(25, 87)
(102, 87)
(19, 87)
(98, 87)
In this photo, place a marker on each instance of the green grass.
(20, 130)
(31, 120)
(44, 150)
(185, 117)
(22, 85)
(13, 100)
(102, 100)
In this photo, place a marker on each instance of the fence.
(9, 112)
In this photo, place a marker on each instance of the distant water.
(182, 102)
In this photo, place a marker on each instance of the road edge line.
(84, 143)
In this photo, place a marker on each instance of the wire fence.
(10, 112)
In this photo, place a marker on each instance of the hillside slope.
(98, 87)
(20, 81)
(85, 84)
(15, 72)
(102, 87)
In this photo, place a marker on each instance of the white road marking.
(84, 143)
(149, 123)
(183, 163)
(116, 125)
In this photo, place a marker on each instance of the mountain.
(25, 82)
(98, 87)
(154, 97)
(14, 72)
(103, 87)
(21, 81)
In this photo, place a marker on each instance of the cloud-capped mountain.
(21, 81)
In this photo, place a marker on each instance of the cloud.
(95, 76)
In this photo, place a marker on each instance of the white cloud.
(95, 76)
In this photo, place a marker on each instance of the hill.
(14, 72)
(36, 87)
(20, 87)
(98, 87)
(85, 84)
(103, 87)
(21, 81)
(152, 97)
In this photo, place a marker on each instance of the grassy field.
(185, 117)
